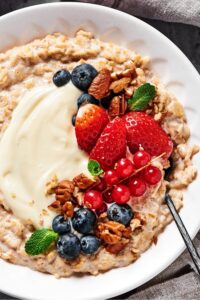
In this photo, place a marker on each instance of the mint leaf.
(94, 167)
(40, 241)
(142, 96)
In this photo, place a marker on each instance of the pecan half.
(117, 106)
(116, 248)
(64, 190)
(83, 182)
(112, 232)
(120, 84)
(68, 209)
(100, 85)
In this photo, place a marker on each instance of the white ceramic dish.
(179, 76)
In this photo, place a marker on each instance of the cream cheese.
(38, 144)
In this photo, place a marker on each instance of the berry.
(86, 98)
(121, 194)
(143, 130)
(137, 187)
(90, 244)
(60, 225)
(120, 213)
(107, 196)
(61, 77)
(111, 177)
(74, 120)
(101, 185)
(141, 158)
(83, 75)
(124, 168)
(84, 220)
(90, 122)
(68, 246)
(93, 199)
(102, 209)
(152, 175)
(105, 102)
(111, 145)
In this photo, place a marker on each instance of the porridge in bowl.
(91, 142)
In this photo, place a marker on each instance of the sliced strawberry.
(143, 130)
(111, 146)
(90, 122)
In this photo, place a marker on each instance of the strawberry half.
(143, 130)
(90, 122)
(111, 146)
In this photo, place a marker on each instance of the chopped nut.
(117, 106)
(83, 182)
(100, 85)
(64, 190)
(125, 73)
(51, 185)
(68, 209)
(120, 84)
(116, 248)
(55, 205)
(140, 217)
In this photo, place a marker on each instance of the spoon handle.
(185, 235)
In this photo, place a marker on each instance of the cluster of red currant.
(119, 184)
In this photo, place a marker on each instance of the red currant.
(93, 199)
(120, 194)
(102, 209)
(152, 175)
(124, 168)
(107, 197)
(101, 186)
(137, 187)
(111, 177)
(141, 158)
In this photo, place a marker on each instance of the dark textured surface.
(179, 281)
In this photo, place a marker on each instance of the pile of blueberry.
(70, 245)
(82, 77)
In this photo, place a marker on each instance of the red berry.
(93, 199)
(152, 175)
(137, 187)
(102, 209)
(111, 177)
(124, 167)
(101, 186)
(120, 194)
(141, 158)
(108, 197)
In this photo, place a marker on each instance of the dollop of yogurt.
(39, 144)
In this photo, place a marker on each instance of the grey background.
(179, 281)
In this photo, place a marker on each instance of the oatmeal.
(43, 158)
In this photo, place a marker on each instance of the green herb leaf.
(142, 96)
(94, 167)
(40, 241)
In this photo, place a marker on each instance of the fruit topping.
(120, 213)
(83, 75)
(93, 199)
(111, 145)
(107, 196)
(84, 220)
(61, 77)
(68, 246)
(105, 101)
(86, 98)
(137, 187)
(90, 122)
(101, 185)
(120, 194)
(152, 175)
(124, 168)
(111, 177)
(60, 225)
(143, 131)
(99, 87)
(102, 209)
(90, 244)
(141, 158)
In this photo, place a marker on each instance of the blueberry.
(60, 225)
(84, 220)
(90, 244)
(120, 213)
(86, 98)
(105, 102)
(68, 246)
(83, 75)
(61, 77)
(74, 120)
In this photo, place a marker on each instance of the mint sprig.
(40, 241)
(142, 96)
(94, 167)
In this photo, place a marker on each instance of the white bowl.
(180, 77)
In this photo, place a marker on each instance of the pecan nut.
(83, 182)
(120, 84)
(68, 209)
(64, 191)
(112, 232)
(116, 248)
(99, 87)
(117, 106)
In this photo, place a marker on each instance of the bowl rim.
(4, 18)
